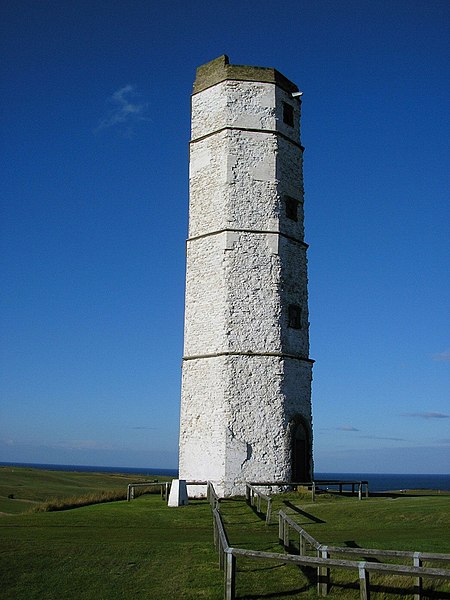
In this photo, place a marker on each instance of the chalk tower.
(246, 376)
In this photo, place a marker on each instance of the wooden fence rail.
(251, 493)
(362, 567)
(316, 485)
(323, 563)
(305, 540)
(212, 497)
(363, 486)
(164, 485)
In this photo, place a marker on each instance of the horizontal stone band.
(259, 231)
(259, 354)
(251, 130)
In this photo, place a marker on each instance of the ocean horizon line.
(175, 469)
(377, 481)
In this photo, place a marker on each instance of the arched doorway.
(300, 452)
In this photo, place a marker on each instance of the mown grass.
(110, 551)
(22, 488)
(143, 548)
(416, 523)
(78, 501)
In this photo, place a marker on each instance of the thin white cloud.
(377, 437)
(442, 356)
(127, 111)
(426, 415)
(340, 428)
(346, 428)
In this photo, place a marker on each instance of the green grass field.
(145, 549)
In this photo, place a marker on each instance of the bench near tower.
(246, 377)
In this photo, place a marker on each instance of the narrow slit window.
(295, 316)
(291, 205)
(288, 114)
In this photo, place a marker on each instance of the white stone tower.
(246, 381)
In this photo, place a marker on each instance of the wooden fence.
(164, 485)
(363, 486)
(316, 484)
(251, 493)
(285, 523)
(323, 563)
(212, 497)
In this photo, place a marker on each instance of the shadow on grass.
(302, 512)
(397, 591)
(197, 502)
(406, 494)
(261, 515)
(353, 544)
(258, 569)
(285, 594)
(282, 594)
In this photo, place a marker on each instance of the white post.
(178, 493)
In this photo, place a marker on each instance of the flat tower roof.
(219, 69)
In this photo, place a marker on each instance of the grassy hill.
(145, 549)
(23, 487)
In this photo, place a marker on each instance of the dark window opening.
(295, 316)
(291, 208)
(288, 114)
(300, 453)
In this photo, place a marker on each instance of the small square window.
(291, 206)
(288, 114)
(295, 316)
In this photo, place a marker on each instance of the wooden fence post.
(301, 545)
(418, 583)
(313, 492)
(269, 511)
(280, 528)
(230, 576)
(323, 573)
(221, 555)
(286, 535)
(364, 584)
(215, 534)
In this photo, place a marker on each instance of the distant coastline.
(378, 482)
(94, 469)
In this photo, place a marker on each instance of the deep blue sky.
(95, 129)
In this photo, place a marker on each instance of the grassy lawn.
(29, 486)
(143, 548)
(416, 523)
(110, 551)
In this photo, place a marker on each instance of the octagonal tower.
(246, 377)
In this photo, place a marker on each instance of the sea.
(378, 482)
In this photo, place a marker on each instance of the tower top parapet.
(219, 70)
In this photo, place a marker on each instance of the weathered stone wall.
(246, 372)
